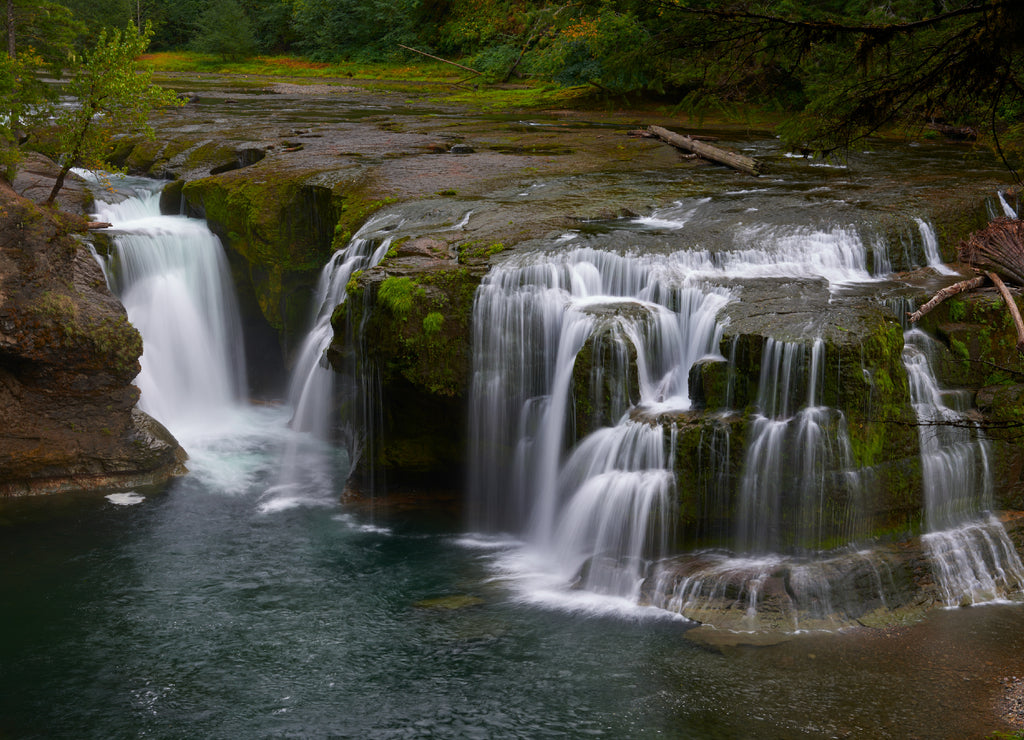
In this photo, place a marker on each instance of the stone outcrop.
(68, 356)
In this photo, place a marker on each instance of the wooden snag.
(947, 292)
(707, 151)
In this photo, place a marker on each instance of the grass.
(435, 81)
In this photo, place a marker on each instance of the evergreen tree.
(225, 30)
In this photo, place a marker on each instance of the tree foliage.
(113, 94)
(225, 30)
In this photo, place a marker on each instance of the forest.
(838, 69)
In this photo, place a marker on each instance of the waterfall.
(600, 509)
(798, 451)
(309, 465)
(171, 274)
(311, 383)
(971, 553)
(1007, 208)
(931, 248)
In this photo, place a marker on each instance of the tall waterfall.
(311, 383)
(171, 274)
(972, 555)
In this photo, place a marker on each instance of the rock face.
(67, 359)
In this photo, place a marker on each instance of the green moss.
(398, 295)
(959, 349)
(433, 322)
(116, 342)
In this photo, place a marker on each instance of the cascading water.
(311, 384)
(171, 274)
(972, 556)
(795, 447)
(603, 509)
(311, 457)
(589, 345)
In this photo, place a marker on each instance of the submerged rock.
(68, 356)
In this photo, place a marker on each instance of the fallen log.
(707, 151)
(98, 225)
(1011, 306)
(947, 292)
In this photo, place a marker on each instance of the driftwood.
(98, 225)
(707, 151)
(998, 248)
(947, 292)
(1011, 306)
(439, 59)
(997, 251)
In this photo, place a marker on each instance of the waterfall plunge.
(172, 277)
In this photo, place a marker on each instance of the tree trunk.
(10, 29)
(1011, 306)
(707, 151)
(58, 185)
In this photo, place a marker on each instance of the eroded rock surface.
(67, 359)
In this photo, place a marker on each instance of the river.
(245, 599)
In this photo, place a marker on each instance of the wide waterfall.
(584, 356)
(971, 554)
(171, 274)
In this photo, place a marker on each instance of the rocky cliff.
(67, 359)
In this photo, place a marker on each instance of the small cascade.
(931, 248)
(310, 456)
(311, 384)
(171, 274)
(1008, 210)
(973, 558)
(795, 448)
(601, 509)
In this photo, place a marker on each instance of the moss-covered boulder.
(280, 227)
(411, 314)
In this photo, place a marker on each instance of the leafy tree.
(368, 29)
(40, 36)
(113, 94)
(225, 30)
(863, 65)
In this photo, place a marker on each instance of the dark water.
(213, 609)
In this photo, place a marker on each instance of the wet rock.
(461, 149)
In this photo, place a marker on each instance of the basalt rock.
(68, 355)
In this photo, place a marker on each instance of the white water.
(171, 274)
(606, 501)
(931, 248)
(1007, 208)
(798, 456)
(311, 383)
(972, 556)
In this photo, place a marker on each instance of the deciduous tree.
(113, 94)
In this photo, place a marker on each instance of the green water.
(203, 612)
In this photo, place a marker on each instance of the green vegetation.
(113, 95)
(399, 294)
(832, 72)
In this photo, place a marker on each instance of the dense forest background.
(841, 68)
